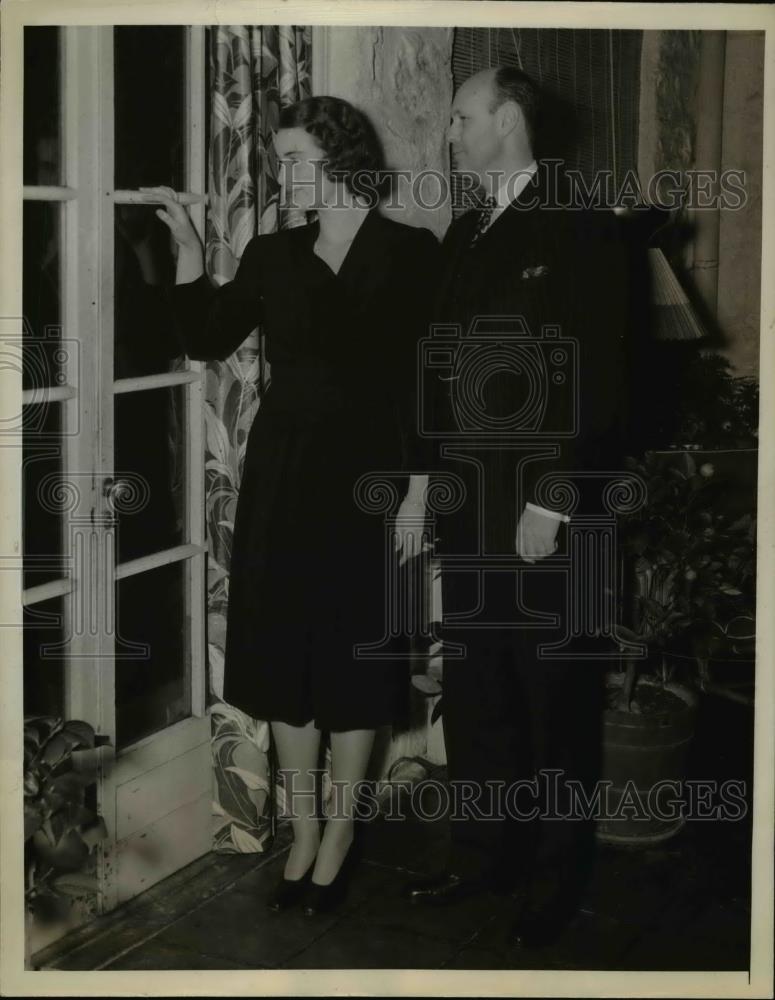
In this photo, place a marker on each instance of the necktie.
(485, 214)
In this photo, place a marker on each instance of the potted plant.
(61, 826)
(716, 410)
(692, 578)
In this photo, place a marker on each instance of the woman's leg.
(350, 752)
(297, 750)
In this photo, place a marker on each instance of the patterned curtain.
(254, 71)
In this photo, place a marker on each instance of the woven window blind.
(591, 81)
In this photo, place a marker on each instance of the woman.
(343, 302)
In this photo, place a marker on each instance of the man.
(509, 713)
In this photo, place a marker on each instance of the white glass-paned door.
(113, 467)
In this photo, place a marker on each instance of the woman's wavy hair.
(353, 152)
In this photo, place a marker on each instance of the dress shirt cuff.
(556, 515)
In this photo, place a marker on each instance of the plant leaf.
(86, 761)
(426, 684)
(245, 842)
(76, 884)
(33, 820)
(92, 834)
(82, 731)
(252, 781)
(56, 749)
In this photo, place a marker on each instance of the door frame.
(177, 757)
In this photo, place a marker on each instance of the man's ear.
(510, 117)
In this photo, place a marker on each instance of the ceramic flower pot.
(641, 750)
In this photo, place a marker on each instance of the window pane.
(145, 268)
(41, 479)
(150, 439)
(149, 105)
(42, 106)
(44, 669)
(153, 690)
(43, 353)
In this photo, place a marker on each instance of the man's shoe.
(505, 885)
(446, 887)
(539, 926)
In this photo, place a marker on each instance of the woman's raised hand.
(174, 215)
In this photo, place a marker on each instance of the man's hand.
(410, 521)
(536, 535)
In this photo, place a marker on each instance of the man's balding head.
(493, 121)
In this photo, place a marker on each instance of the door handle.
(116, 490)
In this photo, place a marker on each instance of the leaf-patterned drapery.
(255, 70)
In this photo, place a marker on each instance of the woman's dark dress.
(308, 567)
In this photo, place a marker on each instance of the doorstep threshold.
(105, 937)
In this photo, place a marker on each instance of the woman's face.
(303, 182)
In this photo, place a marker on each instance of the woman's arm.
(210, 322)
(417, 297)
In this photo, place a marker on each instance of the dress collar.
(363, 240)
(366, 258)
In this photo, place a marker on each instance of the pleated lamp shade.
(673, 314)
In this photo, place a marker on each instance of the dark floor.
(680, 906)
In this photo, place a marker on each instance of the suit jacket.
(540, 304)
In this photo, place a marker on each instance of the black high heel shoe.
(289, 890)
(324, 898)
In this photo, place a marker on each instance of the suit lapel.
(532, 198)
(456, 242)
(506, 226)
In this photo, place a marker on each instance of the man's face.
(472, 133)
